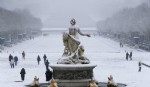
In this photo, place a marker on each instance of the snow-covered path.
(106, 53)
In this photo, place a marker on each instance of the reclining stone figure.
(111, 82)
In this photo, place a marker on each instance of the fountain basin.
(72, 75)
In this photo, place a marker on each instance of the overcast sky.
(92, 10)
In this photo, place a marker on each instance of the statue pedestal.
(72, 75)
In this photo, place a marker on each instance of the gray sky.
(59, 10)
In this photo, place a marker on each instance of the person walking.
(140, 67)
(127, 55)
(47, 64)
(15, 60)
(23, 55)
(44, 57)
(10, 58)
(130, 55)
(48, 74)
(38, 59)
(12, 63)
(22, 72)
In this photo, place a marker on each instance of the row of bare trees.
(130, 24)
(17, 22)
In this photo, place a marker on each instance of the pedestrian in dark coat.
(127, 56)
(140, 67)
(48, 75)
(44, 57)
(22, 72)
(10, 57)
(130, 55)
(38, 59)
(47, 64)
(23, 55)
(15, 60)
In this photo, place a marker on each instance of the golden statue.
(53, 83)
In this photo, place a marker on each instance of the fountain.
(73, 69)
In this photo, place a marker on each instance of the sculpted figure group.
(73, 51)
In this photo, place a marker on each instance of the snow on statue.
(35, 82)
(74, 51)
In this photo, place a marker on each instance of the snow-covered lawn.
(106, 53)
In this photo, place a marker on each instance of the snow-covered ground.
(106, 53)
